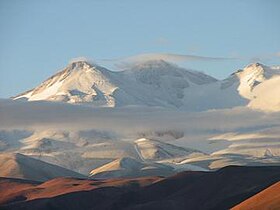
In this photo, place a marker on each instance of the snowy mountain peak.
(83, 65)
(79, 82)
(251, 68)
(256, 69)
(152, 71)
(255, 65)
(79, 65)
(253, 75)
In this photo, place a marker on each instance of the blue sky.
(40, 37)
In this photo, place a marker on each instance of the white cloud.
(44, 115)
(171, 57)
(120, 63)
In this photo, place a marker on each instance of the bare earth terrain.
(222, 189)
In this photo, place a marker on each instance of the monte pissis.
(162, 84)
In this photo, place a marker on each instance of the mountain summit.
(79, 82)
(253, 75)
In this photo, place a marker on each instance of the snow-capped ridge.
(159, 82)
(160, 68)
(253, 75)
(152, 83)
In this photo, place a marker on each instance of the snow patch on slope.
(157, 150)
(129, 167)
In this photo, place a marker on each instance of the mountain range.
(162, 84)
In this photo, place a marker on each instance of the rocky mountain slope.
(21, 166)
(221, 189)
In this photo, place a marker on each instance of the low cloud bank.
(50, 115)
